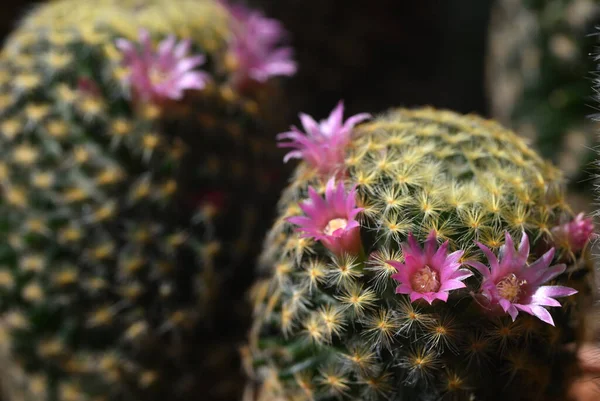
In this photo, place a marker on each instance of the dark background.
(374, 54)
(377, 54)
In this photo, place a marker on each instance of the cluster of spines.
(346, 333)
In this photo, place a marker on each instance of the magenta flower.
(255, 46)
(511, 285)
(575, 233)
(331, 220)
(431, 273)
(162, 74)
(323, 146)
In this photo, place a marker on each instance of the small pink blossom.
(431, 273)
(332, 220)
(575, 234)
(324, 144)
(510, 285)
(255, 46)
(162, 74)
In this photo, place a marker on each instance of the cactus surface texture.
(539, 68)
(463, 231)
(135, 181)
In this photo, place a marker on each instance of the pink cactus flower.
(575, 234)
(324, 144)
(332, 220)
(510, 285)
(431, 273)
(255, 46)
(162, 74)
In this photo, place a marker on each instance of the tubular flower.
(576, 233)
(429, 273)
(162, 74)
(254, 49)
(332, 220)
(323, 145)
(511, 285)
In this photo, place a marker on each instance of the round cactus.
(426, 264)
(135, 167)
(539, 67)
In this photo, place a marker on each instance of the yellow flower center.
(335, 224)
(510, 287)
(157, 76)
(425, 280)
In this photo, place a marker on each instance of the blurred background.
(524, 62)
(389, 53)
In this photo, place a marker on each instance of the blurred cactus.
(434, 302)
(539, 68)
(136, 179)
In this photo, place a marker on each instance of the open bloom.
(165, 73)
(575, 234)
(511, 286)
(332, 220)
(428, 273)
(255, 46)
(324, 144)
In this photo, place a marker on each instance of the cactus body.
(330, 325)
(123, 219)
(539, 67)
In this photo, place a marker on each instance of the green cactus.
(329, 324)
(123, 220)
(539, 68)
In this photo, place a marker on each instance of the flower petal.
(334, 121)
(554, 291)
(430, 245)
(441, 295)
(505, 304)
(404, 289)
(513, 312)
(356, 119)
(310, 125)
(542, 314)
(439, 257)
(492, 259)
(417, 295)
(481, 268)
(452, 285)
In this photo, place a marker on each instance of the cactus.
(136, 179)
(539, 67)
(403, 281)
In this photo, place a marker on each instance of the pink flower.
(429, 274)
(511, 285)
(164, 73)
(324, 144)
(331, 220)
(255, 46)
(575, 234)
